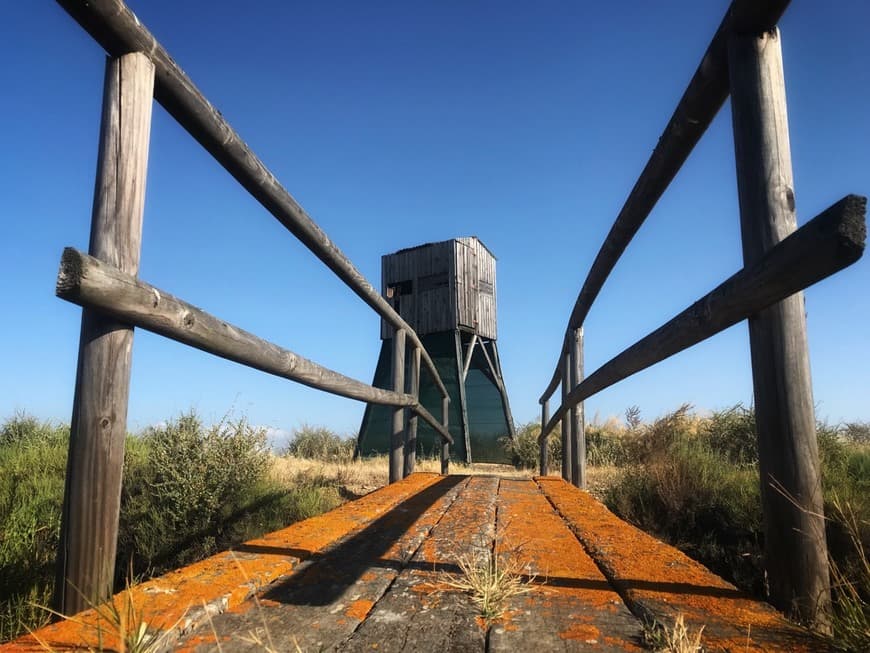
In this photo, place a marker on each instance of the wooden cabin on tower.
(446, 292)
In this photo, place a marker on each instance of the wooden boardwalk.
(376, 575)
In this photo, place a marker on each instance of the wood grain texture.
(791, 490)
(88, 282)
(463, 401)
(445, 441)
(695, 111)
(92, 497)
(578, 426)
(397, 439)
(567, 436)
(119, 31)
(830, 242)
(411, 433)
(544, 452)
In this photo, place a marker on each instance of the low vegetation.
(191, 490)
(693, 481)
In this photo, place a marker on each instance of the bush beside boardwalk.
(189, 491)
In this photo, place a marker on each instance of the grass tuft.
(490, 579)
(676, 639)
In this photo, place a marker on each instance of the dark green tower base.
(479, 412)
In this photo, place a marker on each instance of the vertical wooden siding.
(441, 286)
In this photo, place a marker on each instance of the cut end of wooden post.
(70, 273)
(852, 228)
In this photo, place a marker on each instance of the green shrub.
(185, 486)
(32, 465)
(524, 450)
(684, 489)
(320, 443)
(695, 483)
(189, 491)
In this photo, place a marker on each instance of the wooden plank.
(445, 442)
(468, 354)
(544, 453)
(86, 281)
(463, 402)
(186, 598)
(567, 437)
(659, 582)
(569, 605)
(92, 496)
(830, 242)
(421, 611)
(324, 600)
(411, 433)
(796, 557)
(695, 111)
(578, 426)
(397, 441)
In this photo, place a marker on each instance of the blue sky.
(399, 123)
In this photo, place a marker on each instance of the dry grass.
(490, 580)
(357, 478)
(677, 639)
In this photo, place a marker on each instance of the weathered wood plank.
(544, 453)
(323, 601)
(569, 606)
(397, 440)
(92, 497)
(411, 432)
(421, 611)
(830, 242)
(578, 425)
(184, 599)
(796, 554)
(695, 111)
(445, 441)
(658, 582)
(567, 435)
(463, 402)
(119, 31)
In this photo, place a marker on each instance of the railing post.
(545, 450)
(578, 426)
(795, 545)
(411, 434)
(445, 446)
(397, 439)
(92, 496)
(567, 437)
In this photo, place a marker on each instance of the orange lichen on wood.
(567, 598)
(185, 597)
(661, 582)
(359, 609)
(584, 632)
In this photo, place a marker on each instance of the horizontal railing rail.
(704, 96)
(114, 301)
(119, 31)
(825, 245)
(743, 60)
(88, 282)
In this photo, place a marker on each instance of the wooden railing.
(104, 283)
(744, 60)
